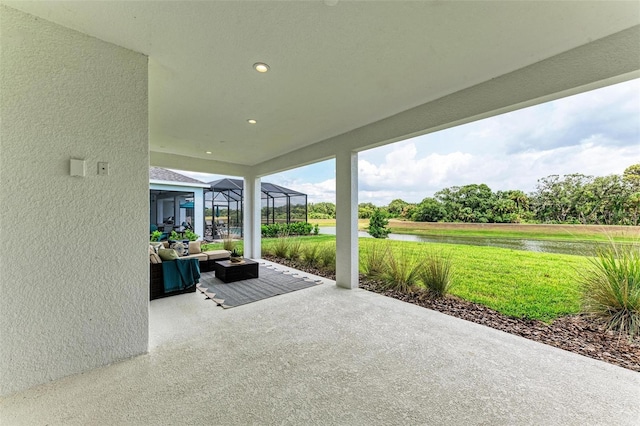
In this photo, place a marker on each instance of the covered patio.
(95, 92)
(330, 356)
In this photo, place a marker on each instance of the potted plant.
(235, 257)
(190, 235)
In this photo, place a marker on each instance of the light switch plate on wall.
(77, 167)
(103, 168)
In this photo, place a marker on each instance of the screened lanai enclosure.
(223, 206)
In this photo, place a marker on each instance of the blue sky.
(594, 133)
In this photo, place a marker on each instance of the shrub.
(270, 231)
(155, 236)
(316, 229)
(401, 272)
(378, 224)
(299, 228)
(373, 259)
(436, 273)
(612, 288)
(293, 228)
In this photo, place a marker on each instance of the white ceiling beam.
(192, 164)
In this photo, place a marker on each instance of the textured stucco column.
(347, 219)
(251, 217)
(197, 221)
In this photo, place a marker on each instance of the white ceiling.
(333, 68)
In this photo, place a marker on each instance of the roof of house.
(158, 173)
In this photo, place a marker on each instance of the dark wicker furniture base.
(211, 263)
(205, 266)
(227, 271)
(156, 283)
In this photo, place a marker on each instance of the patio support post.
(347, 219)
(176, 211)
(159, 211)
(251, 221)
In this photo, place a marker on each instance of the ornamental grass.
(401, 272)
(436, 273)
(611, 288)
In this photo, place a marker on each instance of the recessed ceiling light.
(251, 121)
(208, 152)
(261, 67)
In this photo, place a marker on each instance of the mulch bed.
(575, 333)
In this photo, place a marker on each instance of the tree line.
(570, 199)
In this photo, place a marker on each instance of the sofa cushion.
(200, 256)
(217, 254)
(154, 258)
(168, 254)
(194, 247)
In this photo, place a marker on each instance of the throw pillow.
(194, 247)
(180, 248)
(168, 254)
(156, 246)
(151, 250)
(154, 258)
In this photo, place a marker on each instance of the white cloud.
(402, 171)
(422, 177)
(324, 191)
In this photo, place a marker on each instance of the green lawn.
(516, 283)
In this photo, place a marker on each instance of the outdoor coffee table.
(228, 271)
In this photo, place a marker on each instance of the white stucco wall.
(73, 259)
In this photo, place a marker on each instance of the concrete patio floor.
(330, 356)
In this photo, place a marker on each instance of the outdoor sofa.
(181, 277)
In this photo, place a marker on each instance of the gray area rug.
(272, 281)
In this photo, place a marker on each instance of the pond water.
(580, 248)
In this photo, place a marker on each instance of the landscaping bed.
(574, 333)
